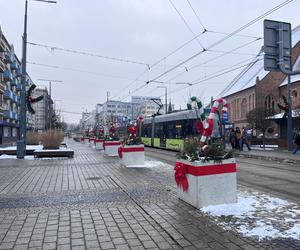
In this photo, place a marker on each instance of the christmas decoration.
(112, 134)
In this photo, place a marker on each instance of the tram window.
(188, 128)
(158, 130)
(146, 131)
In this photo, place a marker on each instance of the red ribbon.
(181, 169)
(137, 149)
(180, 178)
(120, 152)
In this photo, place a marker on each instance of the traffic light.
(31, 100)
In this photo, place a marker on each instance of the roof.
(247, 78)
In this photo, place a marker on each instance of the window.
(244, 107)
(269, 102)
(6, 131)
(294, 94)
(249, 102)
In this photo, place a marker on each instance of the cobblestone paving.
(91, 202)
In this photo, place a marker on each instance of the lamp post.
(166, 98)
(186, 83)
(50, 111)
(21, 144)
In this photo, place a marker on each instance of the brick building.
(255, 87)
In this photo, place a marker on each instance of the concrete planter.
(86, 140)
(132, 155)
(92, 142)
(111, 148)
(99, 144)
(209, 183)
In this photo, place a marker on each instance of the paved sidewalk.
(91, 202)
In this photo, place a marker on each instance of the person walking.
(244, 139)
(237, 138)
(297, 142)
(232, 138)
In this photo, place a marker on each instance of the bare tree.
(258, 120)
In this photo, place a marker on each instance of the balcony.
(18, 72)
(8, 57)
(14, 115)
(15, 98)
(14, 65)
(8, 94)
(19, 86)
(2, 44)
(14, 82)
(2, 66)
(7, 76)
(7, 114)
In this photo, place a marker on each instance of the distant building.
(44, 112)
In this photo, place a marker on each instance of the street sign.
(277, 45)
(224, 117)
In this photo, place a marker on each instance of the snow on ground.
(258, 215)
(27, 157)
(29, 147)
(148, 164)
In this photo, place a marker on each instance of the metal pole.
(21, 145)
(50, 111)
(166, 101)
(289, 121)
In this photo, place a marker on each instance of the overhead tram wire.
(215, 58)
(224, 69)
(87, 54)
(225, 38)
(78, 70)
(212, 77)
(162, 59)
(197, 16)
(186, 24)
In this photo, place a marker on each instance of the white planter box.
(99, 144)
(133, 155)
(111, 148)
(214, 184)
(92, 142)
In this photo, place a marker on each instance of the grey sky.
(138, 30)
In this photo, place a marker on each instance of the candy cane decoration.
(208, 124)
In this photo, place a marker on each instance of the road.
(276, 178)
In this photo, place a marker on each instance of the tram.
(169, 130)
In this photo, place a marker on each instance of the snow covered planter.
(132, 155)
(206, 183)
(99, 144)
(111, 147)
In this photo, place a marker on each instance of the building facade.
(255, 87)
(10, 87)
(44, 112)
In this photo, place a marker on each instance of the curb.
(268, 158)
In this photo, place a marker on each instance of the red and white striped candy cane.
(208, 124)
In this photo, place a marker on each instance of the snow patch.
(258, 215)
(148, 164)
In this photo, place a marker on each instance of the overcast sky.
(140, 31)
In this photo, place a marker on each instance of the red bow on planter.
(180, 178)
(120, 152)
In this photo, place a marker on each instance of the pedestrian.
(232, 138)
(237, 134)
(297, 142)
(245, 139)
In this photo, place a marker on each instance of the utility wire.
(185, 22)
(225, 38)
(88, 54)
(216, 58)
(78, 70)
(198, 18)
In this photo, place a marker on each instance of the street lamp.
(21, 144)
(166, 100)
(186, 83)
(50, 82)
